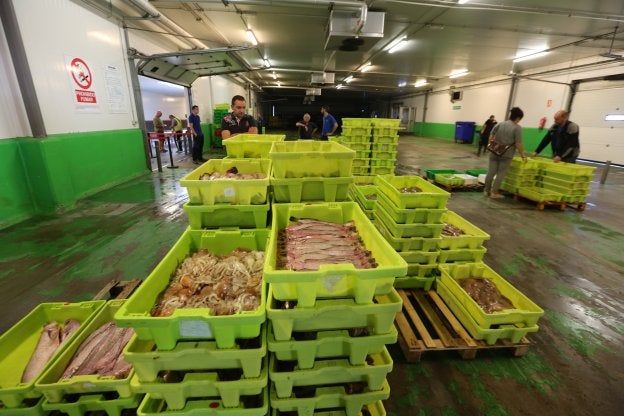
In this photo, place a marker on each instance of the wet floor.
(569, 263)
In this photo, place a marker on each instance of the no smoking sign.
(82, 77)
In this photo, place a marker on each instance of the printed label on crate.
(330, 282)
(195, 329)
(229, 192)
(89, 385)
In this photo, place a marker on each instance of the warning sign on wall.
(82, 83)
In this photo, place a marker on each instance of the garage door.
(601, 140)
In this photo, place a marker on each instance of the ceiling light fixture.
(366, 67)
(402, 84)
(279, 84)
(274, 75)
(462, 1)
(339, 86)
(458, 73)
(397, 44)
(267, 63)
(348, 79)
(420, 83)
(530, 55)
(251, 37)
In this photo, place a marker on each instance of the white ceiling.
(482, 36)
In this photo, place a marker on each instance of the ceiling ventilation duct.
(323, 78)
(313, 91)
(342, 30)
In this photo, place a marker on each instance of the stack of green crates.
(509, 324)
(385, 141)
(307, 170)
(568, 179)
(356, 135)
(412, 224)
(521, 174)
(194, 355)
(328, 328)
(467, 247)
(366, 197)
(241, 203)
(220, 111)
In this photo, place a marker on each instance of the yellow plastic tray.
(304, 159)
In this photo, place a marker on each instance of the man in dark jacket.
(563, 137)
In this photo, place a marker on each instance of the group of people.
(563, 137)
(307, 129)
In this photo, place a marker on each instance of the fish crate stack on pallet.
(310, 171)
(522, 181)
(408, 213)
(330, 307)
(32, 346)
(356, 135)
(228, 193)
(568, 179)
(385, 141)
(200, 324)
(460, 241)
(364, 192)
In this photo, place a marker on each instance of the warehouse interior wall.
(163, 96)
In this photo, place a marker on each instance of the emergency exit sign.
(457, 107)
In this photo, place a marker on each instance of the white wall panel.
(13, 119)
(169, 98)
(540, 99)
(71, 30)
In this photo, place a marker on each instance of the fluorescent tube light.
(279, 84)
(267, 63)
(458, 73)
(366, 67)
(462, 1)
(420, 83)
(614, 117)
(274, 75)
(348, 79)
(402, 84)
(396, 45)
(251, 37)
(339, 86)
(531, 55)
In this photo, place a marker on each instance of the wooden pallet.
(454, 188)
(540, 205)
(426, 324)
(578, 206)
(117, 289)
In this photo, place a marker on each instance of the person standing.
(306, 127)
(198, 136)
(563, 137)
(238, 121)
(507, 133)
(176, 129)
(329, 123)
(484, 134)
(159, 128)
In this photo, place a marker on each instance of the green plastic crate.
(356, 131)
(329, 314)
(54, 388)
(19, 342)
(361, 193)
(463, 254)
(448, 179)
(422, 270)
(420, 257)
(304, 159)
(361, 171)
(432, 172)
(331, 371)
(570, 169)
(197, 323)
(350, 140)
(382, 163)
(525, 312)
(356, 122)
(232, 191)
(204, 384)
(382, 170)
(26, 409)
(195, 355)
(512, 332)
(384, 154)
(362, 146)
(363, 154)
(564, 191)
(406, 244)
(330, 344)
(537, 194)
(95, 403)
(407, 230)
(430, 197)
(572, 199)
(311, 189)
(328, 398)
(206, 407)
(357, 163)
(385, 147)
(472, 238)
(385, 131)
(227, 215)
(391, 139)
(332, 280)
(385, 122)
(524, 164)
(410, 215)
(476, 172)
(565, 184)
(373, 409)
(566, 176)
(365, 180)
(251, 145)
(414, 282)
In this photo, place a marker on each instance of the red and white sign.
(82, 82)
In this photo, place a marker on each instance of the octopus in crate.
(225, 284)
(486, 294)
(231, 173)
(410, 190)
(450, 230)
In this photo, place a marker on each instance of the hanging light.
(267, 63)
(366, 67)
(348, 79)
(458, 73)
(397, 44)
(530, 55)
(420, 83)
(274, 75)
(251, 37)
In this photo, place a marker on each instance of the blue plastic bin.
(464, 131)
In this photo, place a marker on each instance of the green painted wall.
(55, 172)
(531, 136)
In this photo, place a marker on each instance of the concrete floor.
(568, 262)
